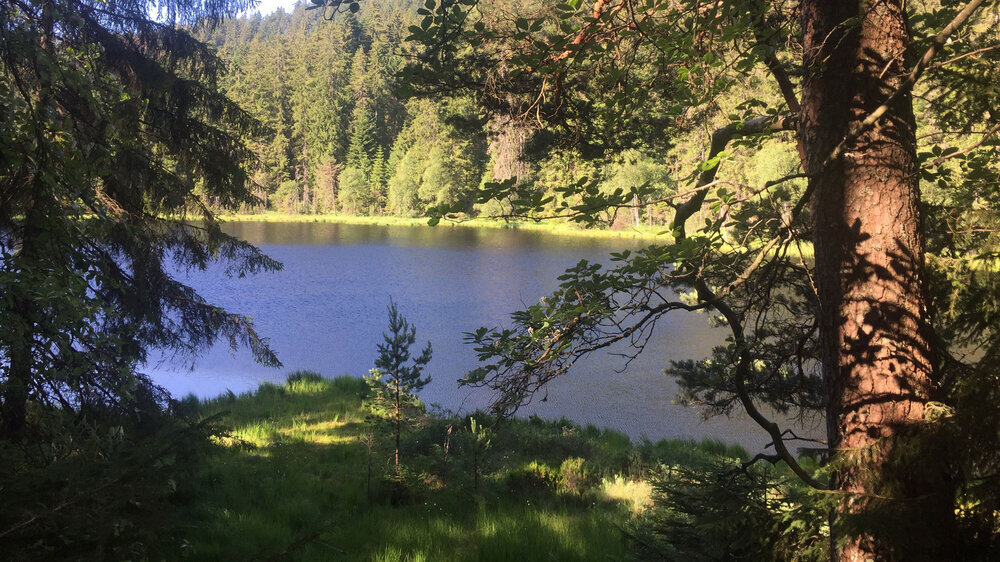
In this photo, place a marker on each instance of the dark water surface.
(326, 311)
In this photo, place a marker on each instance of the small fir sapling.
(480, 438)
(395, 380)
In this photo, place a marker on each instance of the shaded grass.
(289, 479)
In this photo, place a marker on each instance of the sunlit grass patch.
(559, 228)
(259, 434)
(637, 495)
(540, 534)
(321, 433)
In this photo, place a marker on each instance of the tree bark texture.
(876, 352)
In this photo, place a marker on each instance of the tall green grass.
(289, 480)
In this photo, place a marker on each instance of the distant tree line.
(341, 139)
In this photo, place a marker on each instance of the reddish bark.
(877, 355)
(584, 34)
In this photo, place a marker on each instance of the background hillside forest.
(342, 139)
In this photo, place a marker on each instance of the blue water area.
(326, 311)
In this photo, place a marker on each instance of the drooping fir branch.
(114, 123)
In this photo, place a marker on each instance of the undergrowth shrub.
(96, 490)
(574, 477)
(532, 480)
(712, 511)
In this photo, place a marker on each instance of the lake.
(326, 311)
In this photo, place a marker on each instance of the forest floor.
(301, 474)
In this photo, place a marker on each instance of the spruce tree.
(395, 380)
(362, 144)
(378, 180)
(115, 144)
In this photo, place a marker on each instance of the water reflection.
(442, 236)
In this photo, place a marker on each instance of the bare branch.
(955, 59)
(967, 149)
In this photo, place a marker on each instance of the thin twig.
(967, 149)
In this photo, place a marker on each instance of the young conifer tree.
(395, 380)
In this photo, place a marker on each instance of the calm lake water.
(326, 311)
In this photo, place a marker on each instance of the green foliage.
(574, 477)
(288, 476)
(354, 190)
(115, 144)
(480, 439)
(710, 92)
(324, 90)
(391, 365)
(434, 161)
(711, 511)
(330, 94)
(96, 488)
(286, 198)
(362, 146)
(377, 180)
(533, 480)
(394, 382)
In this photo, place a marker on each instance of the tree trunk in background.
(305, 175)
(876, 350)
(20, 337)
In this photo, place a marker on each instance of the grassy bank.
(292, 478)
(552, 227)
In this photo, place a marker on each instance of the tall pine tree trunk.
(27, 262)
(877, 357)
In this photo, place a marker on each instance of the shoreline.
(556, 228)
(654, 234)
